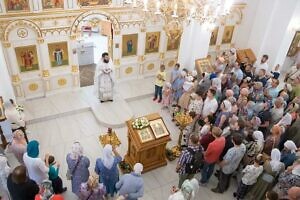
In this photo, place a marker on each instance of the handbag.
(69, 174)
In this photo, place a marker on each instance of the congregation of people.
(39, 178)
(245, 127)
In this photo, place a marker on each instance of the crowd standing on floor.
(38, 178)
(246, 123)
(245, 127)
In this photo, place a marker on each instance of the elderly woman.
(257, 94)
(131, 186)
(18, 145)
(188, 88)
(253, 146)
(223, 115)
(272, 168)
(259, 138)
(78, 166)
(288, 179)
(92, 189)
(107, 168)
(288, 154)
(188, 191)
(46, 192)
(4, 172)
(36, 167)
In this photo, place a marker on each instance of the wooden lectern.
(148, 145)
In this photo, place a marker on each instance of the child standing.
(196, 103)
(159, 82)
(250, 175)
(167, 92)
(57, 183)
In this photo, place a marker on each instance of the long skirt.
(105, 87)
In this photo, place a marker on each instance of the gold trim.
(73, 37)
(45, 73)
(141, 58)
(33, 87)
(128, 70)
(40, 40)
(218, 47)
(116, 61)
(62, 81)
(171, 63)
(150, 66)
(161, 55)
(143, 29)
(15, 78)
(117, 32)
(6, 44)
(75, 69)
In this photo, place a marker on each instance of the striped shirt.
(185, 158)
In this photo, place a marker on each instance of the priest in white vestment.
(104, 79)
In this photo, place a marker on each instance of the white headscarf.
(77, 150)
(227, 105)
(259, 137)
(138, 168)
(275, 160)
(290, 145)
(108, 158)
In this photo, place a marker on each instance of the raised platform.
(109, 114)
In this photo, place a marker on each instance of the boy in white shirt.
(210, 105)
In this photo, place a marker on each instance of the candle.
(145, 5)
(157, 7)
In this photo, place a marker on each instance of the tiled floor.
(56, 136)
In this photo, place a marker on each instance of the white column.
(264, 28)
(194, 44)
(74, 60)
(2, 7)
(6, 89)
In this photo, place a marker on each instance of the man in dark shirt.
(265, 118)
(20, 186)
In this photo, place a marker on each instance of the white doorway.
(89, 49)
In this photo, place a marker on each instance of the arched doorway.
(94, 32)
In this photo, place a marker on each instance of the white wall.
(194, 44)
(266, 28)
(6, 90)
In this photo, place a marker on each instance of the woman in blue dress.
(107, 169)
(177, 86)
(78, 165)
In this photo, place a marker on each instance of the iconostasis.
(40, 42)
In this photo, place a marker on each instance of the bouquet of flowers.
(140, 123)
(20, 108)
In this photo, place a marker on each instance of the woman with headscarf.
(187, 191)
(288, 154)
(223, 116)
(253, 149)
(36, 167)
(131, 186)
(188, 89)
(18, 145)
(107, 168)
(288, 179)
(46, 192)
(15, 118)
(272, 168)
(259, 138)
(92, 189)
(78, 166)
(4, 172)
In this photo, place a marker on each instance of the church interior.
(104, 73)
